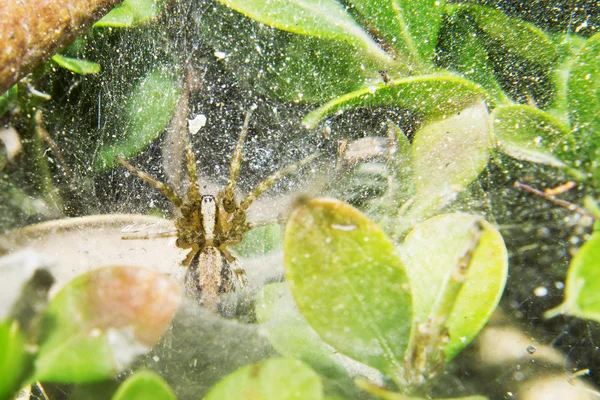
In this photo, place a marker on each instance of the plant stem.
(32, 31)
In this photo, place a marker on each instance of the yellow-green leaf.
(130, 13)
(431, 251)
(77, 65)
(583, 94)
(530, 134)
(410, 26)
(324, 19)
(582, 287)
(272, 379)
(429, 96)
(144, 385)
(289, 332)
(448, 155)
(13, 358)
(147, 112)
(349, 283)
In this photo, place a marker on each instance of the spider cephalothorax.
(208, 225)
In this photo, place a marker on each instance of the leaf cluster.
(394, 300)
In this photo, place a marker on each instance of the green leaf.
(349, 283)
(316, 70)
(282, 65)
(100, 321)
(384, 394)
(119, 17)
(272, 379)
(569, 46)
(8, 99)
(144, 385)
(77, 65)
(290, 334)
(447, 156)
(95, 391)
(522, 54)
(429, 96)
(528, 133)
(259, 241)
(584, 102)
(582, 287)
(462, 50)
(147, 113)
(410, 26)
(13, 358)
(514, 35)
(430, 252)
(323, 19)
(129, 13)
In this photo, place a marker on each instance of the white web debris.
(197, 123)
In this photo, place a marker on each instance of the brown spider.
(208, 225)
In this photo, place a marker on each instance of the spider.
(208, 225)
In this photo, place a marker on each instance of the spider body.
(208, 225)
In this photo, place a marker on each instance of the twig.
(45, 136)
(559, 202)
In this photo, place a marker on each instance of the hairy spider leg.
(241, 280)
(270, 180)
(261, 224)
(228, 194)
(167, 190)
(150, 235)
(193, 193)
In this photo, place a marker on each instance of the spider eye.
(208, 199)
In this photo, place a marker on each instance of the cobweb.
(87, 113)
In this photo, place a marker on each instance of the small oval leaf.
(272, 379)
(461, 49)
(281, 65)
(147, 113)
(583, 94)
(349, 282)
(582, 287)
(411, 26)
(100, 321)
(429, 96)
(13, 358)
(129, 13)
(289, 332)
(447, 156)
(384, 394)
(77, 65)
(514, 35)
(528, 133)
(432, 249)
(144, 385)
(324, 19)
(522, 54)
(8, 99)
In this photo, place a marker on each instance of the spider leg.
(240, 280)
(150, 235)
(165, 189)
(259, 224)
(194, 189)
(234, 168)
(190, 256)
(269, 181)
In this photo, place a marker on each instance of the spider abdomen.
(208, 276)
